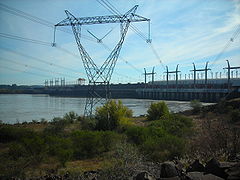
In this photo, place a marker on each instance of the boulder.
(168, 170)
(233, 172)
(201, 176)
(144, 176)
(213, 167)
(195, 166)
(171, 178)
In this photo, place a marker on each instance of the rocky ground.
(172, 170)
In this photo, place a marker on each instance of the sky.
(182, 32)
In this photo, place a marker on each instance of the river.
(26, 107)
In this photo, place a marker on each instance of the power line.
(106, 4)
(4, 35)
(17, 70)
(28, 40)
(36, 19)
(34, 67)
(121, 58)
(38, 59)
(48, 24)
(111, 8)
(227, 45)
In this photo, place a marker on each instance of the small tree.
(157, 110)
(109, 115)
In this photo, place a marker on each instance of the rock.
(144, 176)
(171, 178)
(227, 165)
(213, 167)
(202, 176)
(91, 175)
(195, 166)
(179, 166)
(233, 172)
(168, 170)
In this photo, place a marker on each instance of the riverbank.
(43, 148)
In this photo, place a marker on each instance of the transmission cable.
(28, 40)
(34, 67)
(110, 7)
(4, 35)
(13, 69)
(36, 19)
(227, 45)
(38, 59)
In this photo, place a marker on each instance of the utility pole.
(46, 83)
(229, 71)
(99, 75)
(147, 74)
(206, 69)
(170, 72)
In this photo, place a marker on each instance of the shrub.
(70, 117)
(137, 134)
(109, 115)
(64, 155)
(157, 110)
(162, 148)
(124, 161)
(156, 143)
(10, 133)
(234, 116)
(196, 105)
(87, 123)
(57, 125)
(174, 124)
(88, 144)
(16, 150)
(35, 147)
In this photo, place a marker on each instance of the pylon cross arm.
(127, 17)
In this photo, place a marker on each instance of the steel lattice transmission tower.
(99, 77)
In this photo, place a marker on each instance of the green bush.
(87, 123)
(70, 117)
(64, 155)
(108, 116)
(10, 133)
(157, 110)
(35, 147)
(56, 143)
(137, 134)
(156, 143)
(162, 148)
(196, 105)
(174, 124)
(88, 144)
(16, 151)
(57, 125)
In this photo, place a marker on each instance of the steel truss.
(99, 77)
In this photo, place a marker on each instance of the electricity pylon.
(99, 77)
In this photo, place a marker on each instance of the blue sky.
(182, 32)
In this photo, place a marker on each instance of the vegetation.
(110, 115)
(196, 105)
(114, 141)
(157, 110)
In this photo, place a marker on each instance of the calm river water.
(25, 107)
